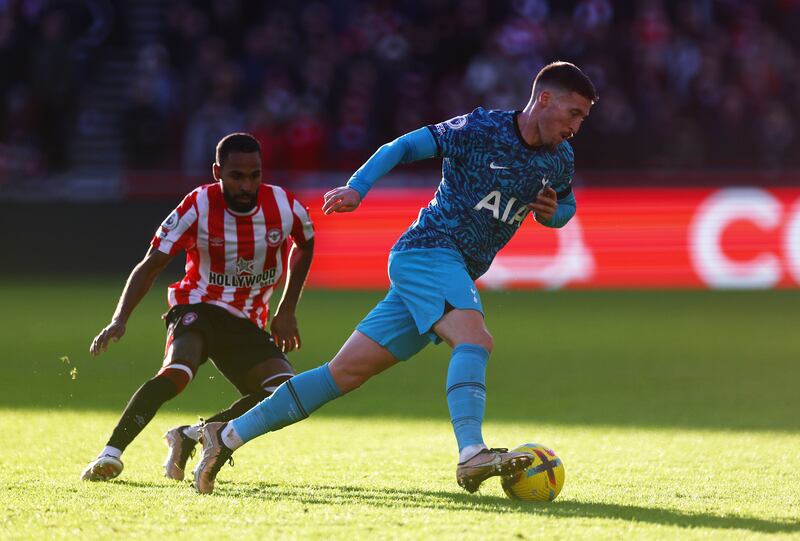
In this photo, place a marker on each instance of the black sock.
(141, 409)
(241, 406)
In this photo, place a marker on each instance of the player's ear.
(215, 170)
(544, 97)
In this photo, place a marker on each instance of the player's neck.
(526, 122)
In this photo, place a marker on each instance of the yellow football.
(541, 481)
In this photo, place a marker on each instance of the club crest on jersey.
(511, 215)
(458, 122)
(189, 318)
(171, 221)
(274, 237)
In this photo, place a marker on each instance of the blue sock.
(466, 392)
(293, 401)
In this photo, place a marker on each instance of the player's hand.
(113, 331)
(342, 199)
(284, 331)
(545, 205)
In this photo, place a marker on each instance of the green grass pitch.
(677, 416)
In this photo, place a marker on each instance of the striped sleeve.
(178, 231)
(302, 227)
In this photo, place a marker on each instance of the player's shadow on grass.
(441, 500)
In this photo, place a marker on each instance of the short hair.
(236, 142)
(565, 76)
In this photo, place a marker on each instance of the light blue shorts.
(425, 283)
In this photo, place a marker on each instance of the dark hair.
(566, 76)
(236, 142)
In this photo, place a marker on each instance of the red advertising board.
(620, 238)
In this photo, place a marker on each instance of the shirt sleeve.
(562, 183)
(416, 145)
(455, 138)
(564, 213)
(302, 226)
(179, 230)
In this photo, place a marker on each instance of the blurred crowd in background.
(682, 84)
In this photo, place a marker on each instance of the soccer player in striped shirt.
(498, 167)
(237, 234)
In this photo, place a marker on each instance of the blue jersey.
(489, 176)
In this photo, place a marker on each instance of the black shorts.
(235, 345)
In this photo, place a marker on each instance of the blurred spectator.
(216, 118)
(690, 83)
(53, 88)
(148, 120)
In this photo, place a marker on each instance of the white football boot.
(487, 463)
(180, 448)
(215, 455)
(103, 468)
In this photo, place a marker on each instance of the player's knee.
(178, 374)
(183, 358)
(260, 395)
(269, 385)
(350, 376)
(483, 339)
(489, 345)
(268, 375)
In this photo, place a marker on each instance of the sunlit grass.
(388, 478)
(676, 415)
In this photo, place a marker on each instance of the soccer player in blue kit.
(498, 167)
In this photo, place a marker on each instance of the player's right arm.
(139, 283)
(176, 233)
(416, 145)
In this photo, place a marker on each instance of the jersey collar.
(521, 139)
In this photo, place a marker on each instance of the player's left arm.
(413, 146)
(555, 208)
(284, 326)
(553, 211)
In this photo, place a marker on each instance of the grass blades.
(675, 413)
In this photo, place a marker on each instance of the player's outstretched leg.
(359, 359)
(292, 401)
(260, 382)
(182, 440)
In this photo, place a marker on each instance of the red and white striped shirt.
(232, 260)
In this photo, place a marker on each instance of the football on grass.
(541, 481)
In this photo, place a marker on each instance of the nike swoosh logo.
(493, 166)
